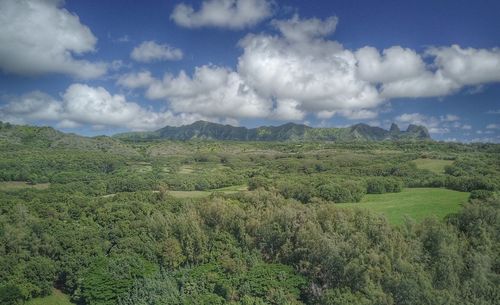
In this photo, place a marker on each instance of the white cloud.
(449, 118)
(94, 106)
(317, 73)
(279, 77)
(212, 91)
(33, 106)
(136, 80)
(493, 126)
(232, 14)
(395, 63)
(437, 125)
(403, 73)
(67, 124)
(467, 66)
(466, 127)
(150, 51)
(41, 37)
(286, 109)
(452, 69)
(493, 111)
(427, 84)
(296, 29)
(300, 72)
(361, 114)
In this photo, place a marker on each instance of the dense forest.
(118, 221)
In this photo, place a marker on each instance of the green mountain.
(288, 132)
(48, 137)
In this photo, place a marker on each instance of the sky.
(100, 67)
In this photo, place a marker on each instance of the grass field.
(202, 194)
(56, 298)
(16, 185)
(416, 203)
(434, 165)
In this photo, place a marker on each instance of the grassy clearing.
(16, 185)
(56, 298)
(202, 194)
(199, 167)
(186, 169)
(416, 203)
(434, 165)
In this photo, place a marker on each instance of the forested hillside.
(211, 222)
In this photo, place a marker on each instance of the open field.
(56, 298)
(16, 185)
(434, 165)
(202, 194)
(416, 203)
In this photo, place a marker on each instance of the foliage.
(110, 227)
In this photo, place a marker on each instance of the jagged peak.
(394, 128)
(418, 129)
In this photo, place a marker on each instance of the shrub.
(334, 192)
(380, 185)
(481, 194)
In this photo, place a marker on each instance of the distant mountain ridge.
(48, 137)
(203, 130)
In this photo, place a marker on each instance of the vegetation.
(56, 298)
(434, 165)
(168, 222)
(417, 203)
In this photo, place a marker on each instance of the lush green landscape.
(101, 221)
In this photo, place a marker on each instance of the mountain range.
(203, 130)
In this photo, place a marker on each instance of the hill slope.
(48, 137)
(287, 132)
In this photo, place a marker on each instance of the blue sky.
(100, 67)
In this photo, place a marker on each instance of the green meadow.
(434, 165)
(416, 203)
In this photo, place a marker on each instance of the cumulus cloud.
(493, 126)
(39, 36)
(95, 106)
(439, 125)
(361, 114)
(287, 109)
(212, 91)
(319, 74)
(136, 80)
(395, 63)
(427, 84)
(452, 69)
(150, 51)
(296, 29)
(467, 66)
(32, 106)
(232, 14)
(300, 71)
